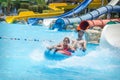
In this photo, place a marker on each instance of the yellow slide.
(56, 9)
(97, 3)
(30, 14)
(54, 6)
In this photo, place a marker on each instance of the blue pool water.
(22, 56)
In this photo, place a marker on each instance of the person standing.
(79, 43)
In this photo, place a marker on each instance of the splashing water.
(24, 60)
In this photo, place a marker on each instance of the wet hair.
(66, 38)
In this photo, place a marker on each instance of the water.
(22, 56)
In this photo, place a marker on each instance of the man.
(79, 43)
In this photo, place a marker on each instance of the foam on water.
(23, 59)
(102, 58)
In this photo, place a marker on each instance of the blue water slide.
(62, 22)
(76, 10)
(70, 13)
(33, 21)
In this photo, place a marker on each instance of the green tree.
(41, 2)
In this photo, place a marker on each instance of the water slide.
(54, 6)
(110, 35)
(93, 4)
(76, 10)
(62, 22)
(31, 14)
(91, 23)
(84, 4)
(70, 13)
(113, 2)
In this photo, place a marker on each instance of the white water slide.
(113, 2)
(111, 35)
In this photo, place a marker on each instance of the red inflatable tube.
(91, 23)
(65, 52)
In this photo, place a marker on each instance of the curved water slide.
(70, 13)
(76, 10)
(110, 36)
(30, 14)
(55, 14)
(91, 23)
(62, 22)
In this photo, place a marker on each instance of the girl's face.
(65, 41)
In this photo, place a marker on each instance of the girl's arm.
(59, 47)
(72, 48)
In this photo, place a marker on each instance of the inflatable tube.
(91, 23)
(59, 55)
